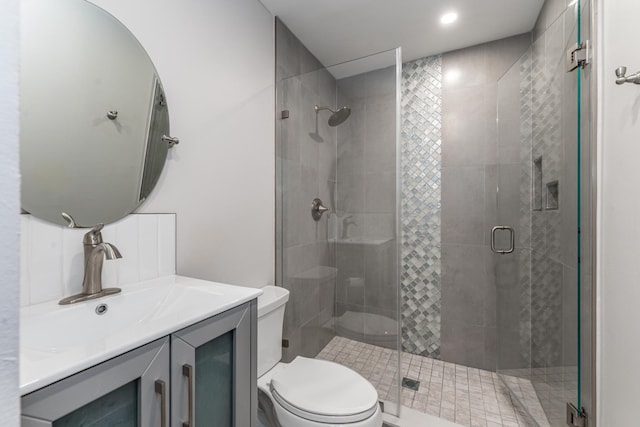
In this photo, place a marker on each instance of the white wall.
(52, 257)
(619, 275)
(9, 217)
(216, 62)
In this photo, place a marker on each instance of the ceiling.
(336, 31)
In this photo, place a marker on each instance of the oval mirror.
(93, 115)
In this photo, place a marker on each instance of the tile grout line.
(468, 396)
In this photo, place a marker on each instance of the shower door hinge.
(579, 55)
(284, 114)
(575, 417)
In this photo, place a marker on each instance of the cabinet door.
(127, 391)
(214, 371)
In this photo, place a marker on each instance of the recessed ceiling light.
(449, 18)
(453, 76)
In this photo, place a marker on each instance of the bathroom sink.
(57, 341)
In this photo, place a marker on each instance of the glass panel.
(118, 408)
(585, 312)
(342, 269)
(214, 382)
(519, 195)
(541, 288)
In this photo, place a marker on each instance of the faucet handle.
(94, 236)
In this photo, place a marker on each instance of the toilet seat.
(324, 392)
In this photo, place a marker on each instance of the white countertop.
(57, 341)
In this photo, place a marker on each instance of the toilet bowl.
(306, 392)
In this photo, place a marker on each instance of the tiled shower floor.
(467, 396)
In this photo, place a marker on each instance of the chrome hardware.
(575, 417)
(171, 140)
(93, 236)
(337, 116)
(622, 78)
(70, 221)
(317, 209)
(579, 55)
(112, 114)
(95, 251)
(161, 389)
(512, 240)
(621, 71)
(187, 371)
(101, 309)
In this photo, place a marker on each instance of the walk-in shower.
(450, 273)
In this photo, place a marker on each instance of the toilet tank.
(270, 321)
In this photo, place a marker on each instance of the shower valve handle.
(317, 209)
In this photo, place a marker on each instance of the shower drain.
(410, 384)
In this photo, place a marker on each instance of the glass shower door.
(541, 195)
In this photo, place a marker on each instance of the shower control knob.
(317, 209)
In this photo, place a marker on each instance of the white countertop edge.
(57, 373)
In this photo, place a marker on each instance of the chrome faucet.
(95, 251)
(346, 222)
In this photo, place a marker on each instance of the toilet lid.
(324, 391)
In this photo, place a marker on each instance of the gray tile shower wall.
(451, 157)
(472, 155)
(306, 168)
(513, 272)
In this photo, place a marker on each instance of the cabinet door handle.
(161, 389)
(187, 371)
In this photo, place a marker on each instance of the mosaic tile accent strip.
(421, 195)
(467, 396)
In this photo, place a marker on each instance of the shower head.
(337, 117)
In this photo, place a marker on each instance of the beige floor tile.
(468, 396)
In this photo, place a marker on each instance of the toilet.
(306, 392)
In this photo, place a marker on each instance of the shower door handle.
(512, 239)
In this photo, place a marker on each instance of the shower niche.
(552, 198)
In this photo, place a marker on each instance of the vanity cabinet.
(118, 392)
(201, 376)
(214, 372)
